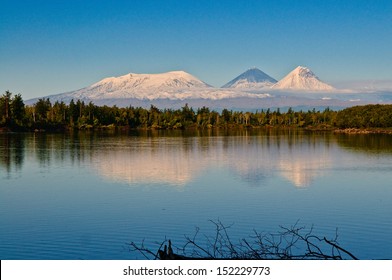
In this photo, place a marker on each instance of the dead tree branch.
(294, 243)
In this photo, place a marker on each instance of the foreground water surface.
(87, 195)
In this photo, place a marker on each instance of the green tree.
(42, 108)
(18, 111)
(188, 115)
(73, 113)
(226, 116)
(5, 110)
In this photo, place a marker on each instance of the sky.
(50, 47)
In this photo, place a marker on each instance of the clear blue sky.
(50, 47)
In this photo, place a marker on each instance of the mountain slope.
(173, 79)
(175, 85)
(174, 89)
(143, 85)
(302, 78)
(252, 78)
(139, 86)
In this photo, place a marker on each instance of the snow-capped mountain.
(174, 85)
(302, 78)
(176, 88)
(142, 85)
(251, 79)
(173, 79)
(169, 85)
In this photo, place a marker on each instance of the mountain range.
(251, 79)
(250, 90)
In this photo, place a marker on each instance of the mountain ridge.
(173, 79)
(175, 88)
(180, 85)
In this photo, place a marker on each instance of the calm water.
(86, 195)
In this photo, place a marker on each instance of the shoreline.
(334, 130)
(363, 131)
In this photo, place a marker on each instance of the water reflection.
(296, 156)
(305, 168)
(11, 153)
(369, 143)
(148, 160)
(84, 195)
(177, 158)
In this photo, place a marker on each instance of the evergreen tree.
(17, 110)
(5, 110)
(42, 108)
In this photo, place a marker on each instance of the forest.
(59, 116)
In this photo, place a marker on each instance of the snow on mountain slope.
(139, 86)
(302, 78)
(175, 85)
(174, 79)
(174, 89)
(149, 86)
(180, 94)
(251, 79)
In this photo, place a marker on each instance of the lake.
(86, 195)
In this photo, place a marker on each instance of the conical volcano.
(302, 78)
(252, 78)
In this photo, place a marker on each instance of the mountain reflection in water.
(86, 194)
(162, 157)
(252, 156)
(178, 160)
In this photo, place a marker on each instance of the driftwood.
(293, 243)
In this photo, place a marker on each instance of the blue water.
(88, 195)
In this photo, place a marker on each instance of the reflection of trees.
(11, 152)
(42, 147)
(366, 143)
(59, 147)
(45, 149)
(176, 157)
(80, 146)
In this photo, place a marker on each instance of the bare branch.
(293, 243)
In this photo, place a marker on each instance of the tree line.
(45, 115)
(368, 116)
